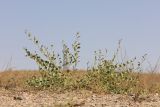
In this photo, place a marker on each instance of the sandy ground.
(12, 98)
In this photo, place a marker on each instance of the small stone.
(17, 98)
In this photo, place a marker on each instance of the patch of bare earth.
(12, 98)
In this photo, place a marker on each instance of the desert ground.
(12, 98)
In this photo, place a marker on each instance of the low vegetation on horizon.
(58, 72)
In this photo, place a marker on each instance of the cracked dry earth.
(73, 99)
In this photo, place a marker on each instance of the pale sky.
(101, 24)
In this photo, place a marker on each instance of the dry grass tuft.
(150, 82)
(15, 79)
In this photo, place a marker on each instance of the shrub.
(51, 64)
(109, 75)
(115, 76)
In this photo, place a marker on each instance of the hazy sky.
(101, 24)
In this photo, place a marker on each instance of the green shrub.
(51, 64)
(107, 75)
(115, 76)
